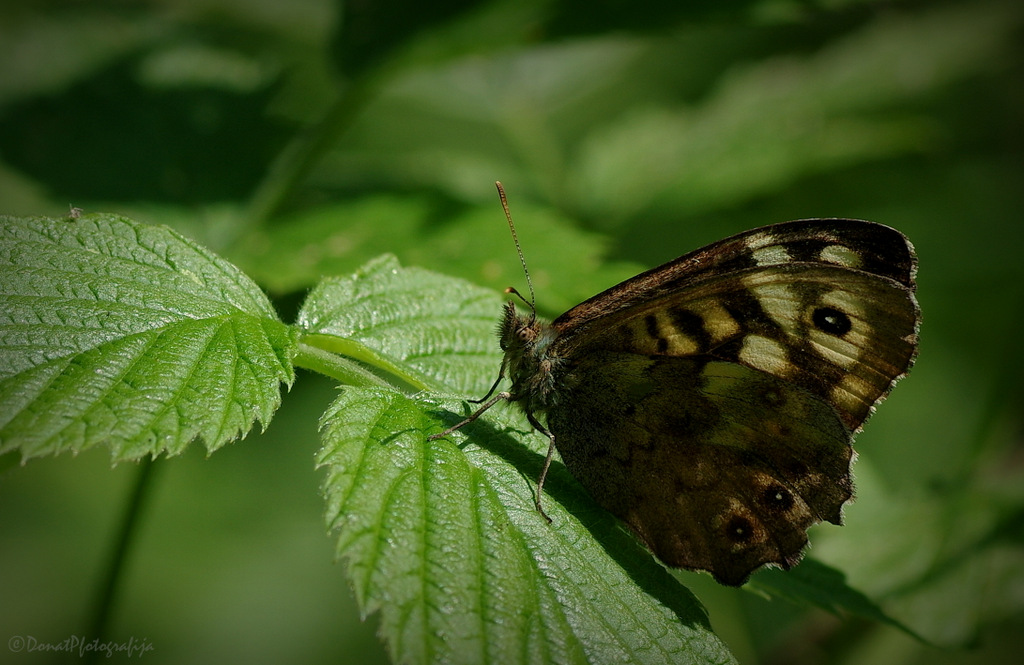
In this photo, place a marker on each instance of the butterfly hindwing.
(715, 466)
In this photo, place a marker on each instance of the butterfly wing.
(711, 403)
(715, 466)
(826, 304)
(850, 243)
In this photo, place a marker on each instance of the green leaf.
(126, 334)
(445, 542)
(422, 328)
(444, 539)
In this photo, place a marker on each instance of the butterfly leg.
(547, 462)
(501, 375)
(473, 416)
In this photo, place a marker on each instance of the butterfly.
(711, 403)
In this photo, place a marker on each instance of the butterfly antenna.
(515, 239)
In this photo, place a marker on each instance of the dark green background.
(299, 143)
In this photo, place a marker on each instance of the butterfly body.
(711, 403)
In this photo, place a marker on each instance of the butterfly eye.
(830, 320)
(777, 498)
(739, 529)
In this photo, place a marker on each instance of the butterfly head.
(517, 332)
(526, 342)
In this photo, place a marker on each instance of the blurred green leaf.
(771, 122)
(297, 251)
(946, 562)
(370, 30)
(46, 52)
(566, 263)
(814, 583)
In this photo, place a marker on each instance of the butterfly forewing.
(866, 246)
(842, 334)
(803, 307)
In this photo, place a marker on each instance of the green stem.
(110, 582)
(355, 364)
(336, 367)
